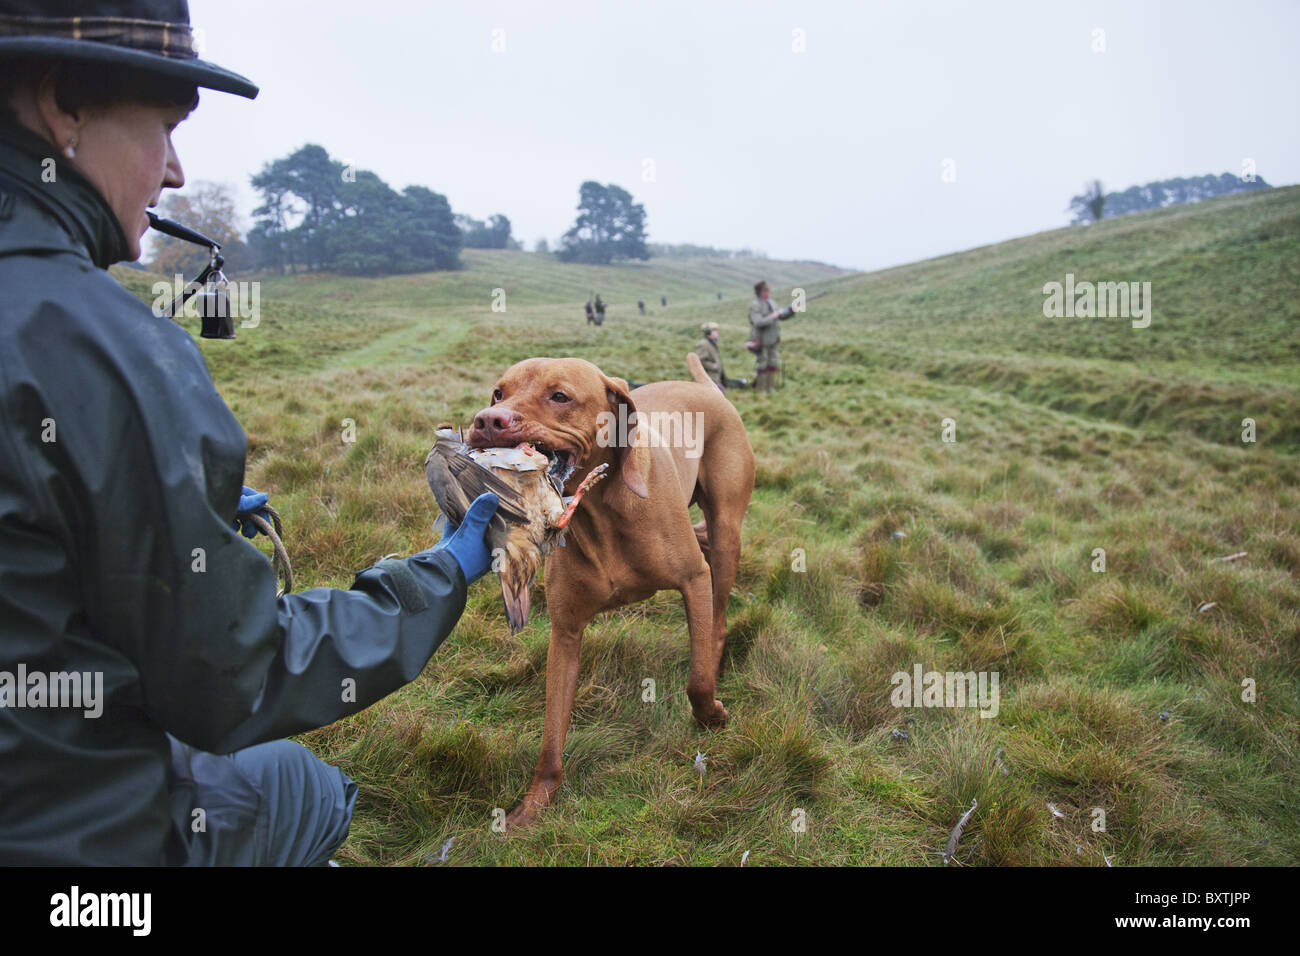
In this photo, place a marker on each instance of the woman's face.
(126, 151)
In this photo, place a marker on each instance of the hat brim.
(199, 72)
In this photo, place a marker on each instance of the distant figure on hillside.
(663, 300)
(591, 315)
(600, 311)
(640, 304)
(764, 319)
(719, 296)
(710, 355)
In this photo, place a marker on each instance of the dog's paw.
(520, 818)
(714, 718)
(529, 809)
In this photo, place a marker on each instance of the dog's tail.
(697, 369)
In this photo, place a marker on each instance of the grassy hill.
(533, 279)
(1121, 690)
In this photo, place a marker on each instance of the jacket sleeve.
(327, 653)
(134, 460)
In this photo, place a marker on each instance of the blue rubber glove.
(250, 502)
(466, 540)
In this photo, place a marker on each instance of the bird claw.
(593, 476)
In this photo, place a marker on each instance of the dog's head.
(569, 410)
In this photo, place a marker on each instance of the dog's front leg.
(562, 659)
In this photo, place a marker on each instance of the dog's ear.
(632, 460)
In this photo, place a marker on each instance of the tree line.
(319, 215)
(1095, 203)
(690, 250)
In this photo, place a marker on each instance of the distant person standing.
(663, 301)
(600, 311)
(764, 319)
(640, 304)
(710, 355)
(719, 296)
(591, 315)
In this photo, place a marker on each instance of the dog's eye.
(560, 397)
(497, 394)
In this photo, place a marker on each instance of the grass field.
(1117, 691)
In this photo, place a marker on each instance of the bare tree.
(212, 210)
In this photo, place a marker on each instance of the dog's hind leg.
(702, 686)
(724, 562)
(702, 537)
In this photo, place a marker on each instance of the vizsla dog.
(668, 445)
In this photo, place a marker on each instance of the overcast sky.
(836, 153)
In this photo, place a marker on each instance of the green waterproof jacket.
(764, 320)
(711, 359)
(120, 472)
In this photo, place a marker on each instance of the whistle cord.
(280, 559)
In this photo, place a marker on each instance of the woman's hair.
(759, 287)
(80, 85)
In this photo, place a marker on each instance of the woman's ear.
(58, 127)
(632, 461)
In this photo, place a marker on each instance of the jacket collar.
(70, 199)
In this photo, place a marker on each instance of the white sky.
(834, 154)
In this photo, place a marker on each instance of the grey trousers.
(769, 356)
(276, 804)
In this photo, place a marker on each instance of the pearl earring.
(70, 150)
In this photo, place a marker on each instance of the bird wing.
(471, 479)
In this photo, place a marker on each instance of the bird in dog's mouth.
(562, 463)
(529, 479)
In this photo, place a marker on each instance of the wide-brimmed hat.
(153, 36)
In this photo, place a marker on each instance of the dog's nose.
(494, 419)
